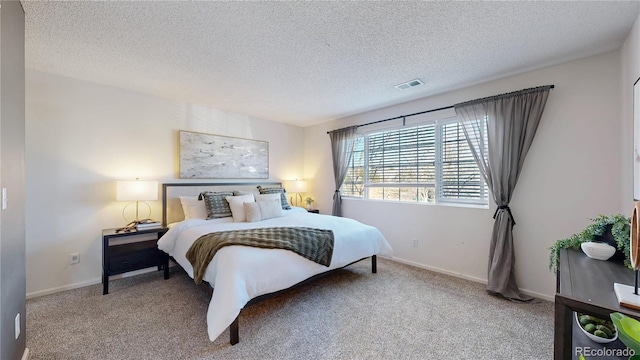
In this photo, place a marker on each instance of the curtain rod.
(419, 113)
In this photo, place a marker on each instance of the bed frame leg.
(234, 337)
(374, 264)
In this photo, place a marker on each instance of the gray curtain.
(512, 120)
(342, 141)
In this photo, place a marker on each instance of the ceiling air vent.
(410, 84)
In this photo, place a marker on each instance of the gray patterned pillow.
(281, 191)
(216, 204)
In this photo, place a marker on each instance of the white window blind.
(426, 163)
(401, 164)
(459, 177)
(354, 180)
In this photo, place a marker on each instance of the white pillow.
(236, 203)
(252, 211)
(263, 210)
(270, 209)
(193, 208)
(267, 197)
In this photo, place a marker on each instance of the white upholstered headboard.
(171, 207)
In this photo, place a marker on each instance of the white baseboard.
(550, 298)
(467, 277)
(400, 260)
(63, 288)
(25, 355)
(88, 283)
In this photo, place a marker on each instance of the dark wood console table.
(585, 285)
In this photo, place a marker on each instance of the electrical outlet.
(415, 242)
(74, 258)
(17, 326)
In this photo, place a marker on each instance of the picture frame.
(209, 156)
(636, 140)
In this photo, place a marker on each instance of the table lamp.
(135, 190)
(295, 187)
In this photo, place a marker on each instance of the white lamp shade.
(136, 190)
(295, 186)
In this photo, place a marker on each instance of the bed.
(242, 275)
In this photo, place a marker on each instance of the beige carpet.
(402, 312)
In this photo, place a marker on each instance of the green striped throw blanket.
(313, 244)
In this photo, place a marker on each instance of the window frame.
(438, 170)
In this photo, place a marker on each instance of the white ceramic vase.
(598, 250)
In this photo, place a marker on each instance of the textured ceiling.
(308, 62)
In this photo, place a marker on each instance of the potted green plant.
(616, 226)
(309, 201)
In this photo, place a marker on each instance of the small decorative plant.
(619, 226)
(309, 201)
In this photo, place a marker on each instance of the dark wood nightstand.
(127, 251)
(315, 211)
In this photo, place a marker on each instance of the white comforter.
(241, 273)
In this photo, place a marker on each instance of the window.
(354, 180)
(429, 163)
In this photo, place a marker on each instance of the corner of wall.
(629, 73)
(12, 149)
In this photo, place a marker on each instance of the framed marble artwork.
(208, 156)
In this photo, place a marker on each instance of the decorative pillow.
(236, 203)
(267, 197)
(281, 191)
(242, 192)
(215, 203)
(270, 209)
(262, 210)
(252, 211)
(193, 208)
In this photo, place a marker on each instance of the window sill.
(462, 205)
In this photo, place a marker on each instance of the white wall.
(12, 178)
(571, 174)
(82, 136)
(629, 74)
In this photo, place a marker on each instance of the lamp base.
(295, 196)
(626, 296)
